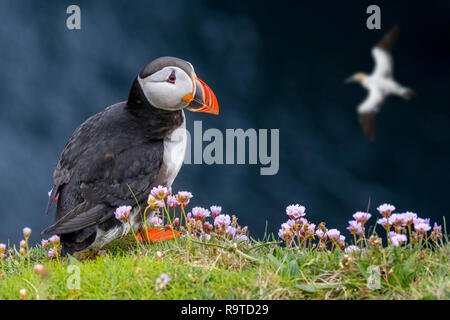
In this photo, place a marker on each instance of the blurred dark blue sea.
(272, 65)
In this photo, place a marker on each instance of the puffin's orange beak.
(205, 100)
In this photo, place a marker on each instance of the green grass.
(260, 271)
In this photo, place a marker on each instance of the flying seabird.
(118, 155)
(380, 83)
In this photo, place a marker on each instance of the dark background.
(272, 65)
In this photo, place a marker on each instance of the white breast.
(175, 151)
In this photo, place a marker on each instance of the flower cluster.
(23, 253)
(162, 207)
(52, 244)
(200, 214)
(397, 239)
(297, 230)
(222, 224)
(405, 225)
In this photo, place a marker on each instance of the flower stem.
(134, 234)
(145, 225)
(170, 222)
(189, 231)
(28, 251)
(55, 247)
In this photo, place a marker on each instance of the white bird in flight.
(380, 83)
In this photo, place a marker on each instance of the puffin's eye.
(172, 77)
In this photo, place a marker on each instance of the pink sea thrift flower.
(38, 269)
(26, 232)
(172, 202)
(310, 230)
(287, 226)
(384, 222)
(2, 248)
(230, 231)
(200, 213)
(321, 235)
(333, 234)
(422, 225)
(45, 243)
(160, 192)
(242, 237)
(291, 223)
(386, 209)
(355, 227)
(397, 239)
(155, 221)
(282, 233)
(341, 240)
(54, 240)
(154, 204)
(222, 220)
(397, 219)
(408, 217)
(437, 227)
(183, 197)
(421, 221)
(122, 213)
(51, 253)
(215, 211)
(207, 227)
(23, 294)
(295, 211)
(362, 217)
(351, 249)
(176, 222)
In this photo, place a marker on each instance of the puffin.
(380, 83)
(118, 155)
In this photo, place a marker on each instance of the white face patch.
(166, 95)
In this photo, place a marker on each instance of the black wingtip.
(389, 39)
(47, 230)
(410, 94)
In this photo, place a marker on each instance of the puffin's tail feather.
(82, 216)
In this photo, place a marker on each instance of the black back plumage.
(112, 152)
